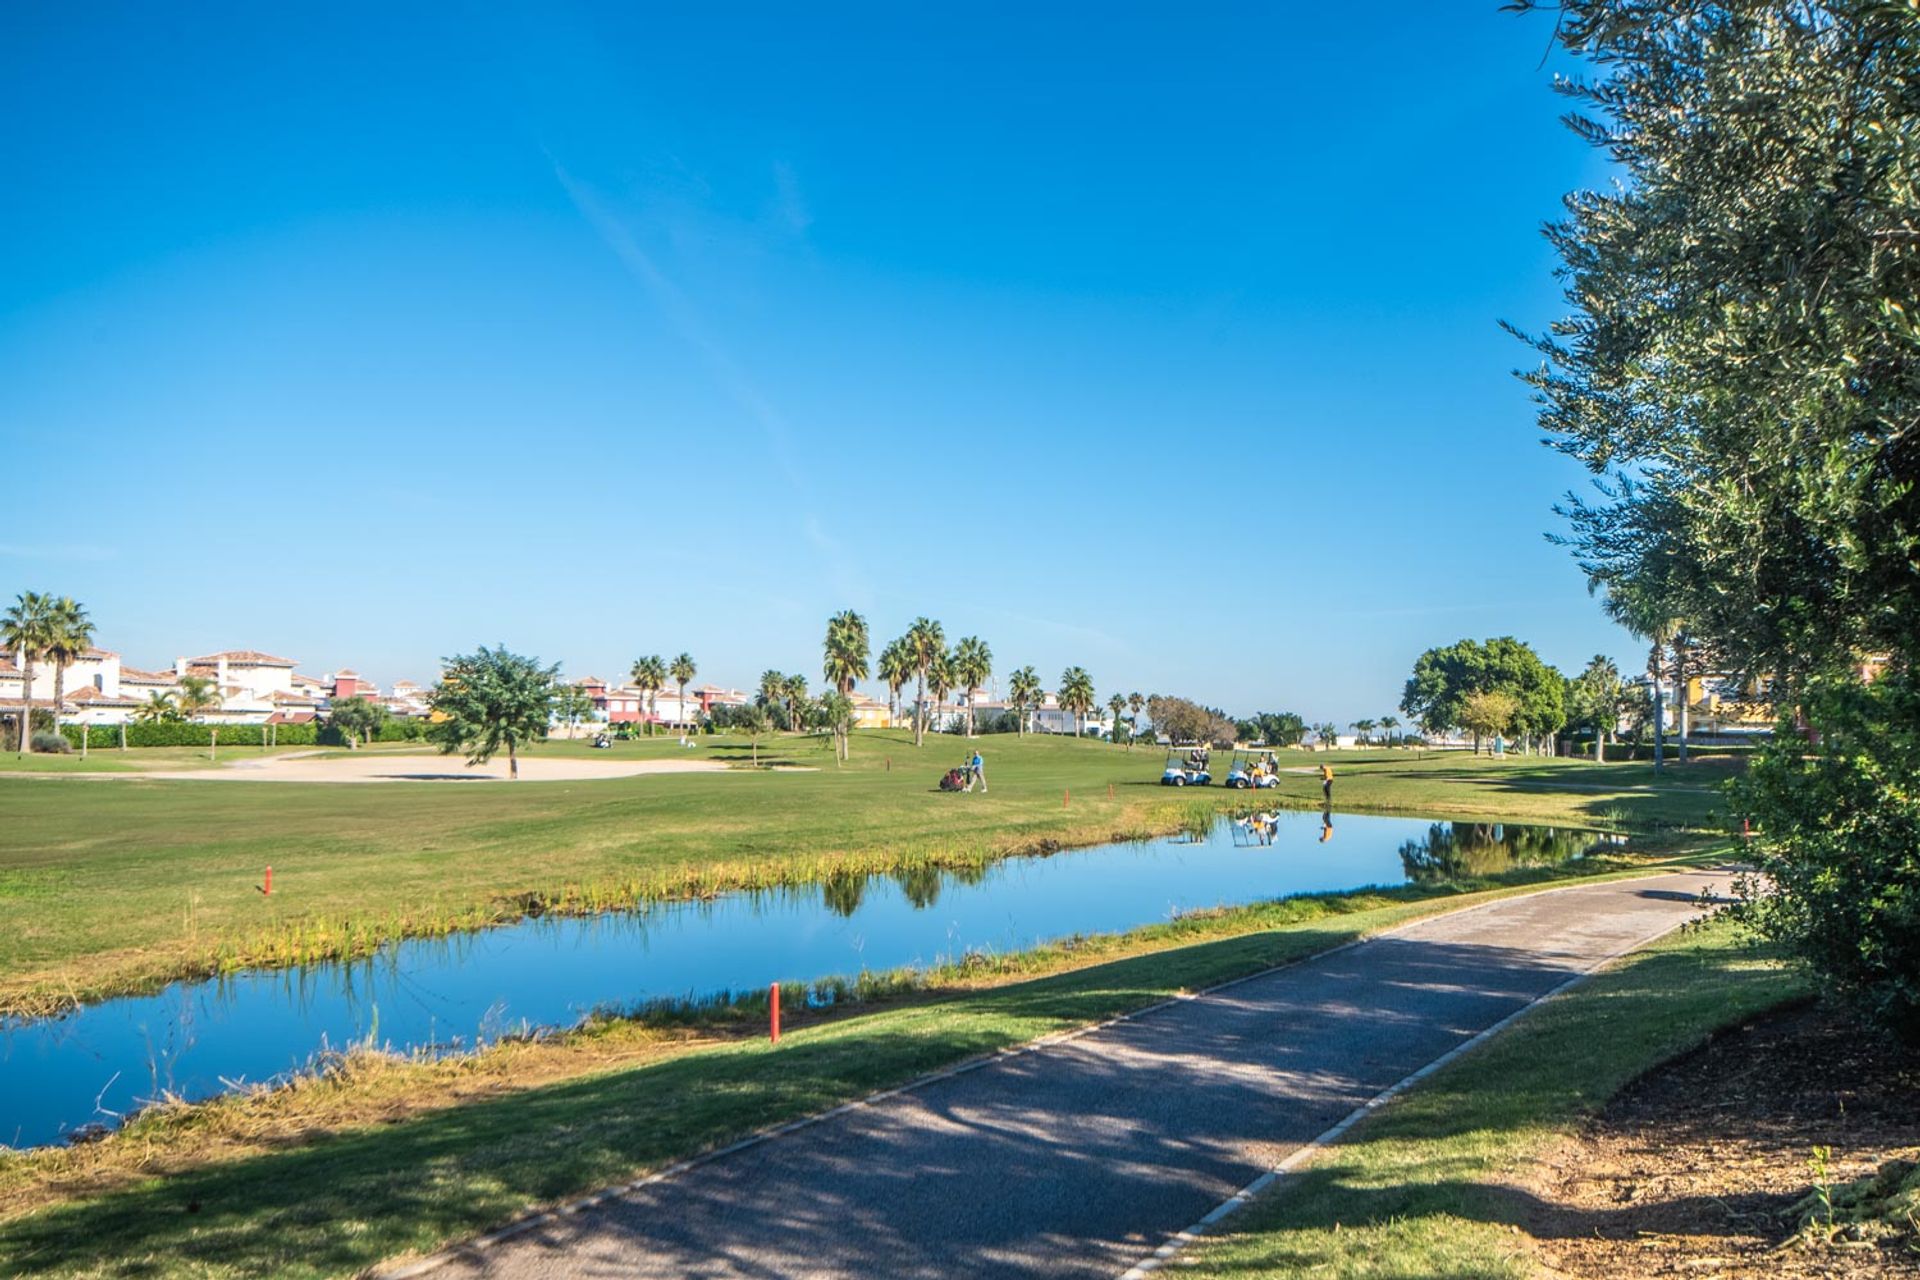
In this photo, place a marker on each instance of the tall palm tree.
(1116, 704)
(1363, 729)
(1076, 695)
(773, 688)
(1387, 725)
(896, 668)
(683, 671)
(194, 697)
(26, 629)
(1023, 690)
(940, 677)
(928, 645)
(69, 636)
(795, 692)
(1641, 612)
(847, 650)
(650, 676)
(972, 666)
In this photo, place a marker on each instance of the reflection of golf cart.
(1187, 767)
(1256, 829)
(1255, 768)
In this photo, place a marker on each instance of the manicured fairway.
(108, 883)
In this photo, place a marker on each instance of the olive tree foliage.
(492, 700)
(1184, 721)
(357, 719)
(1740, 369)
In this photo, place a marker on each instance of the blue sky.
(1158, 341)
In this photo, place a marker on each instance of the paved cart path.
(1082, 1157)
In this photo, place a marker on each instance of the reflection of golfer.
(1326, 783)
(979, 768)
(1326, 825)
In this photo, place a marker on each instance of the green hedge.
(101, 737)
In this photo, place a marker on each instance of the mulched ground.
(1693, 1170)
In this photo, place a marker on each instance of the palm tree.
(1363, 728)
(1116, 704)
(159, 708)
(1640, 612)
(195, 696)
(683, 671)
(1329, 734)
(26, 630)
(650, 676)
(846, 650)
(940, 676)
(972, 666)
(773, 688)
(69, 636)
(795, 692)
(1023, 690)
(896, 668)
(927, 644)
(1076, 695)
(1136, 704)
(1387, 725)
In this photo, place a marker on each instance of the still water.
(198, 1039)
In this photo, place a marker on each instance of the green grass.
(1434, 1185)
(307, 1205)
(112, 884)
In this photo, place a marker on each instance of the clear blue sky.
(1153, 339)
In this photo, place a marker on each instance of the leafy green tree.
(491, 700)
(756, 721)
(650, 677)
(1023, 691)
(1487, 713)
(847, 647)
(359, 719)
(571, 705)
(1444, 677)
(896, 667)
(836, 714)
(683, 671)
(27, 630)
(972, 665)
(927, 644)
(196, 696)
(1076, 695)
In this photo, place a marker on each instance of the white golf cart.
(1187, 767)
(1256, 767)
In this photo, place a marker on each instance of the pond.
(197, 1039)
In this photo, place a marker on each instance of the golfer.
(1326, 783)
(979, 768)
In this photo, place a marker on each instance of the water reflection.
(196, 1039)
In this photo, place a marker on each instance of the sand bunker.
(379, 767)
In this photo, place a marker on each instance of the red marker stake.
(268, 889)
(773, 1011)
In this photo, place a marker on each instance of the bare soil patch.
(1696, 1168)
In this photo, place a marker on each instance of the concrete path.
(1082, 1157)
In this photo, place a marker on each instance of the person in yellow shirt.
(1326, 783)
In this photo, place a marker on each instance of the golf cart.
(1187, 767)
(1254, 768)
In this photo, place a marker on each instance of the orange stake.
(773, 1010)
(268, 888)
(1066, 797)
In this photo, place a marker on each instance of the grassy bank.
(1433, 1185)
(112, 884)
(389, 1157)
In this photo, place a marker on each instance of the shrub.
(52, 743)
(1839, 844)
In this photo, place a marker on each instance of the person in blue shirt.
(979, 768)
